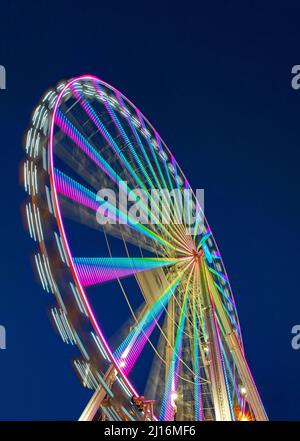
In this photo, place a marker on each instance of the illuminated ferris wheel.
(124, 248)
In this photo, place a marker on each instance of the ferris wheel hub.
(197, 255)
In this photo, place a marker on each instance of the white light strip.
(78, 300)
(59, 247)
(100, 347)
(40, 274)
(49, 200)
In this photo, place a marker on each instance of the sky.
(215, 81)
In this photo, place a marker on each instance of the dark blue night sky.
(216, 83)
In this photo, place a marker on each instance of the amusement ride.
(141, 292)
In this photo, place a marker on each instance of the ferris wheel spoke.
(77, 192)
(177, 213)
(204, 239)
(130, 349)
(94, 181)
(147, 320)
(199, 227)
(74, 134)
(140, 142)
(97, 270)
(85, 145)
(230, 371)
(108, 137)
(170, 394)
(162, 183)
(221, 292)
(218, 328)
(197, 385)
(124, 135)
(84, 215)
(218, 295)
(138, 139)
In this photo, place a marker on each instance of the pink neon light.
(92, 275)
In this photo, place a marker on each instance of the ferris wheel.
(138, 283)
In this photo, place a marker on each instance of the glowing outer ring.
(60, 222)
